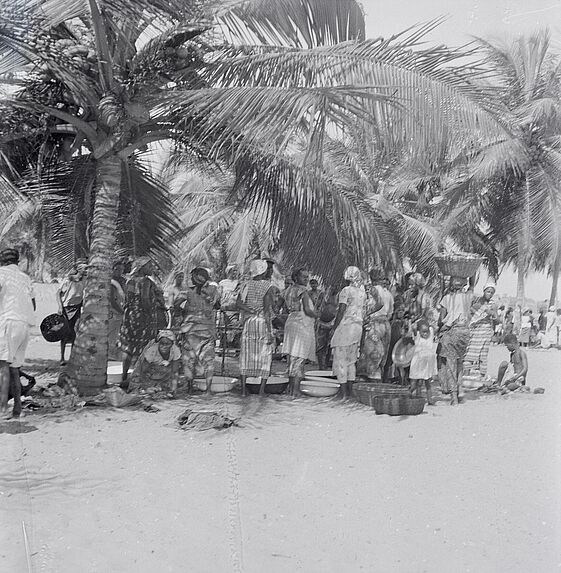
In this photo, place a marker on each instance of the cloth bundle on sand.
(205, 420)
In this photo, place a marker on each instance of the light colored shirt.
(349, 330)
(72, 292)
(458, 307)
(16, 295)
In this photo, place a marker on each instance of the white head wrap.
(490, 284)
(257, 267)
(353, 275)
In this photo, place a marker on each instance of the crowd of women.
(353, 327)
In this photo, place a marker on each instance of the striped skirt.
(478, 349)
(255, 352)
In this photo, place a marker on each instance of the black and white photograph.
(280, 286)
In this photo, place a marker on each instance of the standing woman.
(417, 300)
(197, 331)
(482, 329)
(140, 319)
(455, 312)
(71, 298)
(348, 329)
(255, 301)
(299, 329)
(116, 310)
(550, 336)
(377, 330)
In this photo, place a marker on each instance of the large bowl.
(275, 385)
(320, 374)
(219, 385)
(403, 351)
(319, 389)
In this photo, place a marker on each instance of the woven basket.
(365, 392)
(398, 405)
(55, 327)
(458, 265)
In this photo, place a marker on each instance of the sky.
(465, 19)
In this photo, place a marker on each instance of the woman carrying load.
(455, 312)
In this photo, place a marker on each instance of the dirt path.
(305, 485)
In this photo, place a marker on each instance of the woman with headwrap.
(197, 331)
(255, 302)
(140, 319)
(158, 365)
(299, 330)
(417, 301)
(348, 329)
(455, 314)
(377, 330)
(482, 328)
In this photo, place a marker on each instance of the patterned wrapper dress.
(255, 351)
(299, 332)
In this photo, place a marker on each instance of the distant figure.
(550, 336)
(423, 364)
(516, 370)
(71, 298)
(525, 329)
(229, 288)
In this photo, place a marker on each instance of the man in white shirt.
(17, 305)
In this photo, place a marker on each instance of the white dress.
(423, 363)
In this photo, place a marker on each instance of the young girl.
(423, 364)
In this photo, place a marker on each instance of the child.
(516, 370)
(423, 364)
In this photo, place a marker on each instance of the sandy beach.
(308, 485)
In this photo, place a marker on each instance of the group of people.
(542, 331)
(355, 326)
(164, 334)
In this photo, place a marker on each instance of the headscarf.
(552, 308)
(353, 275)
(490, 284)
(202, 272)
(257, 267)
(165, 334)
(231, 268)
(139, 263)
(9, 257)
(419, 280)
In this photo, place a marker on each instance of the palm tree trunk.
(555, 271)
(524, 246)
(87, 367)
(520, 287)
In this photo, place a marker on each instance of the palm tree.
(237, 86)
(513, 183)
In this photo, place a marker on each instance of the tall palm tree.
(513, 183)
(237, 85)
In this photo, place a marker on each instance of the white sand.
(306, 485)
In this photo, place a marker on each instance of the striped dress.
(255, 351)
(481, 333)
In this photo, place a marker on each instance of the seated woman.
(158, 365)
